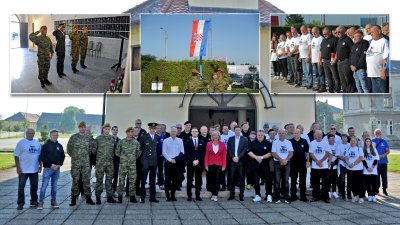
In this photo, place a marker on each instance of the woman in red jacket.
(215, 162)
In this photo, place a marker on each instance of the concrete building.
(369, 112)
(204, 108)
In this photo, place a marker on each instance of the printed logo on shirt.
(292, 45)
(318, 150)
(369, 157)
(283, 149)
(328, 45)
(333, 152)
(352, 154)
(356, 49)
(32, 149)
(313, 45)
(58, 148)
(344, 43)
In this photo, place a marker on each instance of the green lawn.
(394, 163)
(6, 161)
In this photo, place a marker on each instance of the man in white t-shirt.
(27, 161)
(305, 55)
(319, 153)
(225, 136)
(282, 151)
(292, 49)
(377, 57)
(317, 67)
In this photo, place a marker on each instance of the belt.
(342, 60)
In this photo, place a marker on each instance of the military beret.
(194, 71)
(187, 122)
(128, 129)
(82, 124)
(152, 125)
(75, 26)
(106, 125)
(61, 24)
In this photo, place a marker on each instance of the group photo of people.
(228, 157)
(326, 57)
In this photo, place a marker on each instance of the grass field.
(394, 163)
(6, 161)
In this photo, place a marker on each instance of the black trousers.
(333, 178)
(33, 181)
(248, 170)
(282, 63)
(317, 176)
(331, 76)
(354, 181)
(261, 170)
(382, 173)
(370, 184)
(276, 68)
(60, 62)
(160, 170)
(236, 173)
(139, 172)
(298, 170)
(151, 171)
(198, 177)
(346, 76)
(171, 178)
(116, 170)
(214, 172)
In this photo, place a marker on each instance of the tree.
(149, 58)
(44, 134)
(25, 125)
(17, 127)
(339, 122)
(253, 69)
(68, 118)
(294, 20)
(324, 115)
(1, 126)
(315, 23)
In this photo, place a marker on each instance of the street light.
(160, 42)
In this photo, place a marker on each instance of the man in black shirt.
(186, 133)
(343, 49)
(328, 46)
(298, 166)
(358, 62)
(260, 154)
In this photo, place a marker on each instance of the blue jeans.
(289, 66)
(47, 174)
(378, 85)
(360, 76)
(319, 74)
(281, 175)
(307, 70)
(33, 181)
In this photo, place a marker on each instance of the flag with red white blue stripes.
(198, 43)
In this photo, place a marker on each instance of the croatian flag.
(198, 42)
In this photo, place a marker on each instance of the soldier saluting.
(45, 53)
(148, 143)
(79, 147)
(75, 38)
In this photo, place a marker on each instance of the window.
(389, 127)
(379, 124)
(388, 101)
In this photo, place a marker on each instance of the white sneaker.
(370, 198)
(335, 195)
(212, 198)
(355, 199)
(257, 198)
(215, 199)
(373, 199)
(269, 198)
(361, 200)
(330, 194)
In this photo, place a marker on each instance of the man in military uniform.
(148, 143)
(79, 147)
(45, 52)
(75, 44)
(105, 144)
(60, 49)
(128, 150)
(195, 84)
(218, 84)
(83, 46)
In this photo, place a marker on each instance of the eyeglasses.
(138, 123)
(333, 128)
(179, 128)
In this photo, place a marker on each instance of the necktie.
(195, 144)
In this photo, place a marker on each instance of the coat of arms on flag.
(198, 41)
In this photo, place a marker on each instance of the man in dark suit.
(60, 49)
(237, 150)
(194, 151)
(148, 143)
(138, 125)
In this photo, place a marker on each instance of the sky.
(93, 104)
(235, 36)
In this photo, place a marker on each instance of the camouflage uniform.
(218, 85)
(104, 163)
(75, 44)
(195, 85)
(79, 148)
(45, 48)
(128, 151)
(83, 45)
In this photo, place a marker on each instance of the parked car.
(237, 80)
(250, 80)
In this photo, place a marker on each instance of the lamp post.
(324, 115)
(165, 39)
(161, 29)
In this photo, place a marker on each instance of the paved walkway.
(387, 211)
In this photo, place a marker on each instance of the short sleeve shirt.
(28, 153)
(282, 148)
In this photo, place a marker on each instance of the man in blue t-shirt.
(382, 146)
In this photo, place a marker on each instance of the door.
(23, 31)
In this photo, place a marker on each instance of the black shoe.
(168, 199)
(47, 82)
(155, 200)
(304, 199)
(20, 207)
(133, 199)
(223, 188)
(98, 200)
(119, 198)
(385, 192)
(241, 198)
(327, 201)
(63, 74)
(142, 200)
(315, 89)
(60, 76)
(231, 196)
(89, 201)
(294, 198)
(308, 88)
(321, 90)
(189, 199)
(172, 199)
(111, 200)
(314, 199)
(73, 201)
(298, 85)
(42, 83)
(199, 199)
(34, 204)
(75, 70)
(84, 66)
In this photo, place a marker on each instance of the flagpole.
(201, 61)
